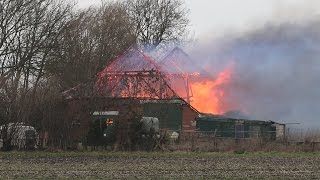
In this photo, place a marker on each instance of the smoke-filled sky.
(211, 18)
(276, 72)
(274, 46)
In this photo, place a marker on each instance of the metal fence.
(208, 135)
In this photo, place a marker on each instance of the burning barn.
(134, 85)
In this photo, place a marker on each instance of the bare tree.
(29, 30)
(93, 37)
(158, 21)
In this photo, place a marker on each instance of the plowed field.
(158, 165)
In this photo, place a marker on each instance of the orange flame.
(208, 95)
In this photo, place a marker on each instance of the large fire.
(208, 95)
(136, 75)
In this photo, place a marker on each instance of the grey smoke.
(276, 73)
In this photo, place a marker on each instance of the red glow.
(208, 95)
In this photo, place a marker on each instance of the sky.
(217, 16)
(213, 18)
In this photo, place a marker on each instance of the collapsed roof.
(131, 74)
(134, 74)
(131, 60)
(179, 62)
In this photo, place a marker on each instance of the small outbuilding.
(224, 127)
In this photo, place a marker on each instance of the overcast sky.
(215, 17)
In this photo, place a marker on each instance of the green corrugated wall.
(222, 128)
(226, 127)
(169, 115)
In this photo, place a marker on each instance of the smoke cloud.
(276, 71)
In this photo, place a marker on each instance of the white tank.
(149, 123)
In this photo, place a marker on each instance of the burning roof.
(179, 62)
(131, 60)
(133, 74)
(136, 75)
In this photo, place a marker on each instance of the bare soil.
(108, 165)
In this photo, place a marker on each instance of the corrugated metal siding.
(259, 129)
(220, 128)
(235, 128)
(169, 115)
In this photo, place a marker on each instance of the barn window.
(109, 121)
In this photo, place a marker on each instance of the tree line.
(48, 46)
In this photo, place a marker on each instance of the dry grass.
(296, 142)
(243, 145)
